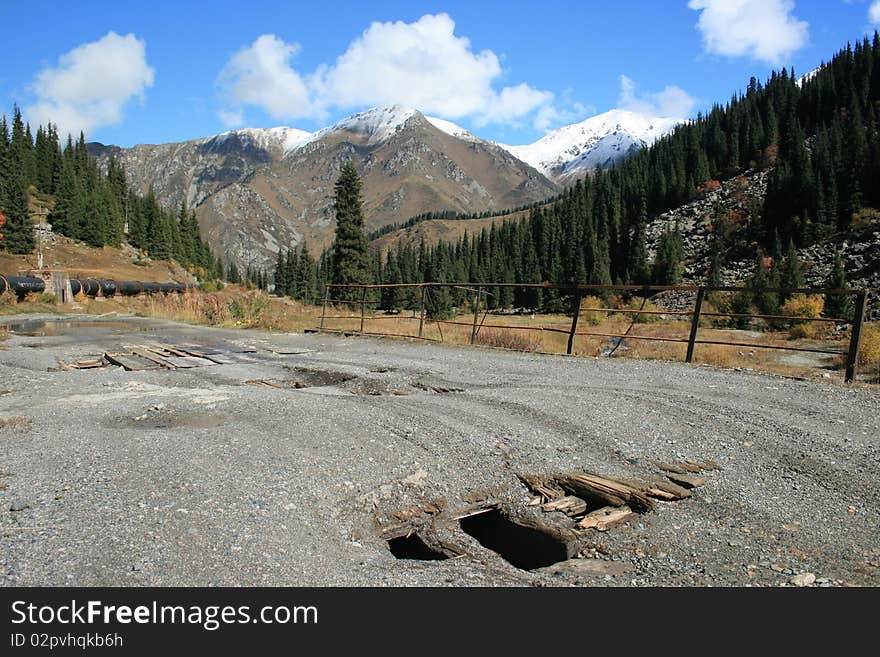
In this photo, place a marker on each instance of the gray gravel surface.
(194, 477)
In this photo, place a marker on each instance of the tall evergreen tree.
(351, 251)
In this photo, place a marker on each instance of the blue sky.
(162, 71)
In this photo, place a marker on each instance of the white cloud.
(874, 13)
(672, 102)
(761, 29)
(91, 84)
(422, 64)
(261, 75)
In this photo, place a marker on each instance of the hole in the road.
(524, 547)
(413, 547)
(306, 377)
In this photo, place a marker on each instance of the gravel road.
(195, 477)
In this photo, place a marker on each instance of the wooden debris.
(475, 510)
(543, 485)
(666, 490)
(87, 364)
(605, 491)
(535, 501)
(149, 355)
(606, 518)
(688, 480)
(569, 505)
(130, 362)
(686, 467)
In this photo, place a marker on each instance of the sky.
(128, 73)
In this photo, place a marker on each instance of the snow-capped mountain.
(280, 138)
(259, 190)
(599, 142)
(377, 124)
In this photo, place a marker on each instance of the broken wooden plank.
(543, 485)
(130, 363)
(569, 505)
(606, 518)
(475, 510)
(688, 480)
(606, 491)
(667, 490)
(143, 352)
(64, 366)
(185, 351)
(670, 467)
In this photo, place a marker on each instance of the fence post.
(695, 324)
(855, 340)
(363, 308)
(324, 308)
(574, 320)
(476, 315)
(422, 313)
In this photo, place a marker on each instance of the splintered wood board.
(131, 363)
(606, 518)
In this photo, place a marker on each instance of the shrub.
(636, 304)
(248, 308)
(8, 298)
(506, 339)
(592, 317)
(804, 305)
(869, 354)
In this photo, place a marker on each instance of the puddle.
(525, 547)
(413, 547)
(48, 328)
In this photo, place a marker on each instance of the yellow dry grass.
(237, 307)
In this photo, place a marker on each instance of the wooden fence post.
(422, 313)
(476, 315)
(324, 308)
(363, 308)
(574, 320)
(855, 340)
(695, 324)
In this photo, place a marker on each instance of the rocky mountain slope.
(258, 191)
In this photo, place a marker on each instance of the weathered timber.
(606, 518)
(606, 491)
(569, 505)
(664, 488)
(543, 485)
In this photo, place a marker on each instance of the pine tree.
(351, 255)
(838, 306)
(791, 275)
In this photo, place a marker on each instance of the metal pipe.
(21, 285)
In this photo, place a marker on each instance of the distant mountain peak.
(597, 142)
(281, 137)
(378, 124)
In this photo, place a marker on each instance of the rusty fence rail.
(480, 292)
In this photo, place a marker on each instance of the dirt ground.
(291, 460)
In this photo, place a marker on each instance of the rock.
(803, 579)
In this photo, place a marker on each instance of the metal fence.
(577, 293)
